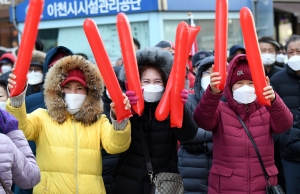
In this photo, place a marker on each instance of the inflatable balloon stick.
(175, 85)
(179, 73)
(107, 72)
(221, 27)
(253, 54)
(193, 31)
(27, 45)
(129, 60)
(163, 109)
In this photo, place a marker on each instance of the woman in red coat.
(236, 168)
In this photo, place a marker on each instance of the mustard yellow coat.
(68, 154)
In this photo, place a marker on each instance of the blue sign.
(200, 5)
(63, 9)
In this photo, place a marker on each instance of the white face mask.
(280, 58)
(294, 62)
(74, 102)
(244, 95)
(153, 92)
(35, 78)
(5, 68)
(205, 82)
(268, 59)
(3, 105)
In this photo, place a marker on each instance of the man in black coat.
(269, 49)
(287, 84)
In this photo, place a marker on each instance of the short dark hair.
(39, 45)
(293, 38)
(271, 41)
(137, 43)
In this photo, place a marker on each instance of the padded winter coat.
(131, 174)
(236, 168)
(287, 85)
(17, 163)
(195, 156)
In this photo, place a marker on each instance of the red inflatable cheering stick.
(193, 31)
(179, 73)
(221, 27)
(27, 45)
(129, 59)
(163, 109)
(103, 62)
(253, 54)
(175, 85)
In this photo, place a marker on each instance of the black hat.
(165, 44)
(235, 48)
(199, 56)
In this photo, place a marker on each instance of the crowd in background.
(66, 115)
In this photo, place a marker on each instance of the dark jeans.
(291, 171)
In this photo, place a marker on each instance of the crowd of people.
(60, 135)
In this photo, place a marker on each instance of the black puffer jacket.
(274, 69)
(195, 156)
(287, 84)
(294, 138)
(109, 161)
(131, 174)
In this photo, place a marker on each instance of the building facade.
(151, 21)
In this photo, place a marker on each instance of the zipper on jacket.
(248, 152)
(76, 152)
(247, 110)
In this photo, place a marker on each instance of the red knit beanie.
(241, 72)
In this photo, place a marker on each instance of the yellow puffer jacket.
(68, 154)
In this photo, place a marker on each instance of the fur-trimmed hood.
(54, 95)
(38, 58)
(152, 56)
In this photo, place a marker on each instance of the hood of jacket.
(51, 53)
(152, 56)
(92, 108)
(199, 91)
(241, 109)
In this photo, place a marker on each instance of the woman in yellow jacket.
(71, 132)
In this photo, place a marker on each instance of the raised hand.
(126, 102)
(268, 91)
(184, 95)
(132, 97)
(214, 81)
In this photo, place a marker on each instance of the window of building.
(49, 38)
(75, 39)
(206, 36)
